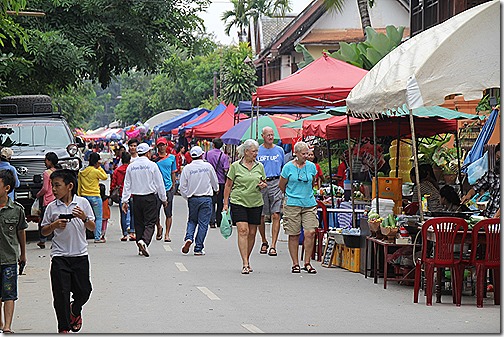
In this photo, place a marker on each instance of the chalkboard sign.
(329, 252)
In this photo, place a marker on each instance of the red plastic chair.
(490, 259)
(411, 208)
(445, 229)
(320, 232)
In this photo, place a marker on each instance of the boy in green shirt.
(12, 234)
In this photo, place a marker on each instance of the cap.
(143, 148)
(196, 152)
(161, 140)
(6, 153)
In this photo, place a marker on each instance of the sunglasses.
(305, 180)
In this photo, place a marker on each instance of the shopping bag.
(477, 169)
(115, 195)
(35, 209)
(226, 228)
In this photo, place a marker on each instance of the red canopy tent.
(335, 128)
(215, 127)
(325, 81)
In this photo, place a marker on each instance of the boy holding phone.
(12, 234)
(68, 217)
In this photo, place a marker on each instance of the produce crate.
(351, 259)
(338, 255)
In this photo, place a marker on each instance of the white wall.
(383, 13)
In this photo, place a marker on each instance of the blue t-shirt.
(272, 160)
(6, 166)
(167, 166)
(299, 190)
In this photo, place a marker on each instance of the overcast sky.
(215, 25)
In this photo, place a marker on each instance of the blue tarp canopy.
(214, 113)
(175, 122)
(246, 108)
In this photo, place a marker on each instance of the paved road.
(174, 293)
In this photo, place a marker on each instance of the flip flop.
(264, 248)
(167, 240)
(75, 321)
(272, 251)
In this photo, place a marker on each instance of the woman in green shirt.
(245, 179)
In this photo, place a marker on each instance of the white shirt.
(70, 241)
(143, 177)
(198, 179)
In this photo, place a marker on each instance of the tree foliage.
(239, 76)
(101, 39)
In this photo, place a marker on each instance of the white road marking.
(167, 248)
(180, 266)
(252, 328)
(209, 294)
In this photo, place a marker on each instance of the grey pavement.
(170, 292)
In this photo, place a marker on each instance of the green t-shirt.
(12, 219)
(245, 191)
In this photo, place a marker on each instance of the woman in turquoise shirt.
(245, 179)
(300, 208)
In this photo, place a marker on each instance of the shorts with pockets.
(8, 282)
(272, 197)
(251, 215)
(295, 217)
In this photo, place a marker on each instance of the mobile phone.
(21, 267)
(66, 216)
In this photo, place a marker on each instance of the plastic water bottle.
(347, 186)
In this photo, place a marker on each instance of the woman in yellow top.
(89, 188)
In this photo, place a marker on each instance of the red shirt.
(118, 177)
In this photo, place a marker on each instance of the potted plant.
(446, 159)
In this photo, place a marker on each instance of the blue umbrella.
(486, 132)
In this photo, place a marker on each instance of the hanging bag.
(115, 195)
(226, 228)
(477, 169)
(35, 209)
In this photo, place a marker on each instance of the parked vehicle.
(31, 128)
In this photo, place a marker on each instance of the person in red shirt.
(118, 180)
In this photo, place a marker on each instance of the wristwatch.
(86, 219)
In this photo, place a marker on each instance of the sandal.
(296, 269)
(264, 248)
(8, 331)
(75, 321)
(272, 251)
(250, 269)
(308, 268)
(245, 270)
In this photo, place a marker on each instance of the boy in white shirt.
(67, 217)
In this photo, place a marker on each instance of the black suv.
(31, 128)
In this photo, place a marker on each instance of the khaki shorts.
(295, 217)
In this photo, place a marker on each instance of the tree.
(239, 76)
(245, 10)
(108, 36)
(363, 10)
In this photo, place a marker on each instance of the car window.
(34, 134)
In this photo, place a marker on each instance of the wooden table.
(385, 244)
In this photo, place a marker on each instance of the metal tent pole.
(350, 159)
(330, 170)
(376, 169)
(415, 159)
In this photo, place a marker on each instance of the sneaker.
(199, 253)
(99, 241)
(143, 247)
(212, 225)
(140, 252)
(41, 245)
(185, 247)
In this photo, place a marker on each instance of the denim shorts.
(8, 282)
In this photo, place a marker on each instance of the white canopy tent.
(162, 117)
(458, 56)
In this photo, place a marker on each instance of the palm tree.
(363, 10)
(245, 10)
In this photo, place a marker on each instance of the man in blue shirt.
(5, 157)
(272, 158)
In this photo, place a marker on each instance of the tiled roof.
(332, 36)
(272, 26)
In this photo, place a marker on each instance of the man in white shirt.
(143, 181)
(198, 183)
